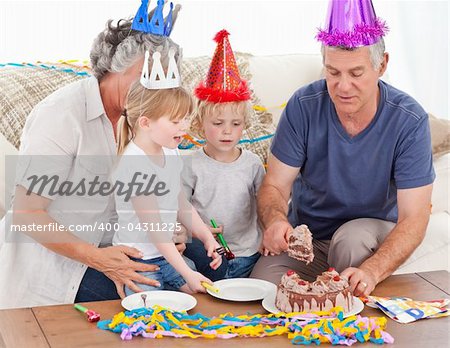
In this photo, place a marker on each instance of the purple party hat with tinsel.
(352, 23)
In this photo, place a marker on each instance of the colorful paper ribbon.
(48, 67)
(195, 142)
(300, 328)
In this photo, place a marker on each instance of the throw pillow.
(22, 86)
(25, 85)
(258, 136)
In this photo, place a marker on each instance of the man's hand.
(362, 282)
(272, 202)
(413, 215)
(275, 238)
(115, 263)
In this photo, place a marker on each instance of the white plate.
(177, 301)
(242, 289)
(269, 305)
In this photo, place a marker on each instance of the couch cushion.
(440, 135)
(258, 136)
(22, 86)
(276, 78)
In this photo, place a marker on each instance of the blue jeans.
(241, 267)
(95, 286)
(167, 276)
(197, 253)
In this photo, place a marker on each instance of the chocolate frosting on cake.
(329, 290)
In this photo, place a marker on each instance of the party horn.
(228, 254)
(92, 316)
(210, 287)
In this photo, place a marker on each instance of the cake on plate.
(327, 291)
(300, 244)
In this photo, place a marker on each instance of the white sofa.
(274, 79)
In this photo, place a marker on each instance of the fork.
(144, 297)
(221, 251)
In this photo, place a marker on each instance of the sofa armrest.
(6, 148)
(433, 253)
(440, 198)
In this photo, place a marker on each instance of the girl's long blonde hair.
(175, 103)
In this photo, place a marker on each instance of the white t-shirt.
(135, 166)
(67, 134)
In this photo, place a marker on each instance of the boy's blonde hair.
(152, 103)
(206, 109)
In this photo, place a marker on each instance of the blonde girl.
(148, 135)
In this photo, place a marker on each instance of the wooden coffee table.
(62, 326)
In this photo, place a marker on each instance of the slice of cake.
(329, 290)
(300, 244)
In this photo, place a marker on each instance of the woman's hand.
(115, 263)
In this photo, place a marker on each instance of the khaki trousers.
(351, 245)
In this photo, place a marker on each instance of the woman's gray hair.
(376, 52)
(118, 47)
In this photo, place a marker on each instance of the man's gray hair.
(376, 52)
(118, 47)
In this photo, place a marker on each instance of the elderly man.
(353, 156)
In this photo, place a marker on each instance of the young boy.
(223, 179)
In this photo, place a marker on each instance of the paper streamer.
(300, 328)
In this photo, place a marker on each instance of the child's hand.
(194, 281)
(181, 247)
(180, 235)
(210, 246)
(217, 230)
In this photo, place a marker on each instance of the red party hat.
(223, 82)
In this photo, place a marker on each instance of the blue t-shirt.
(342, 177)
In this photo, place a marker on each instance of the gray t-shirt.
(226, 192)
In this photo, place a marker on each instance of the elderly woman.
(61, 136)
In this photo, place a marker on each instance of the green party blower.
(92, 316)
(228, 254)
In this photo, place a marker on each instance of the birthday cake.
(300, 244)
(327, 291)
